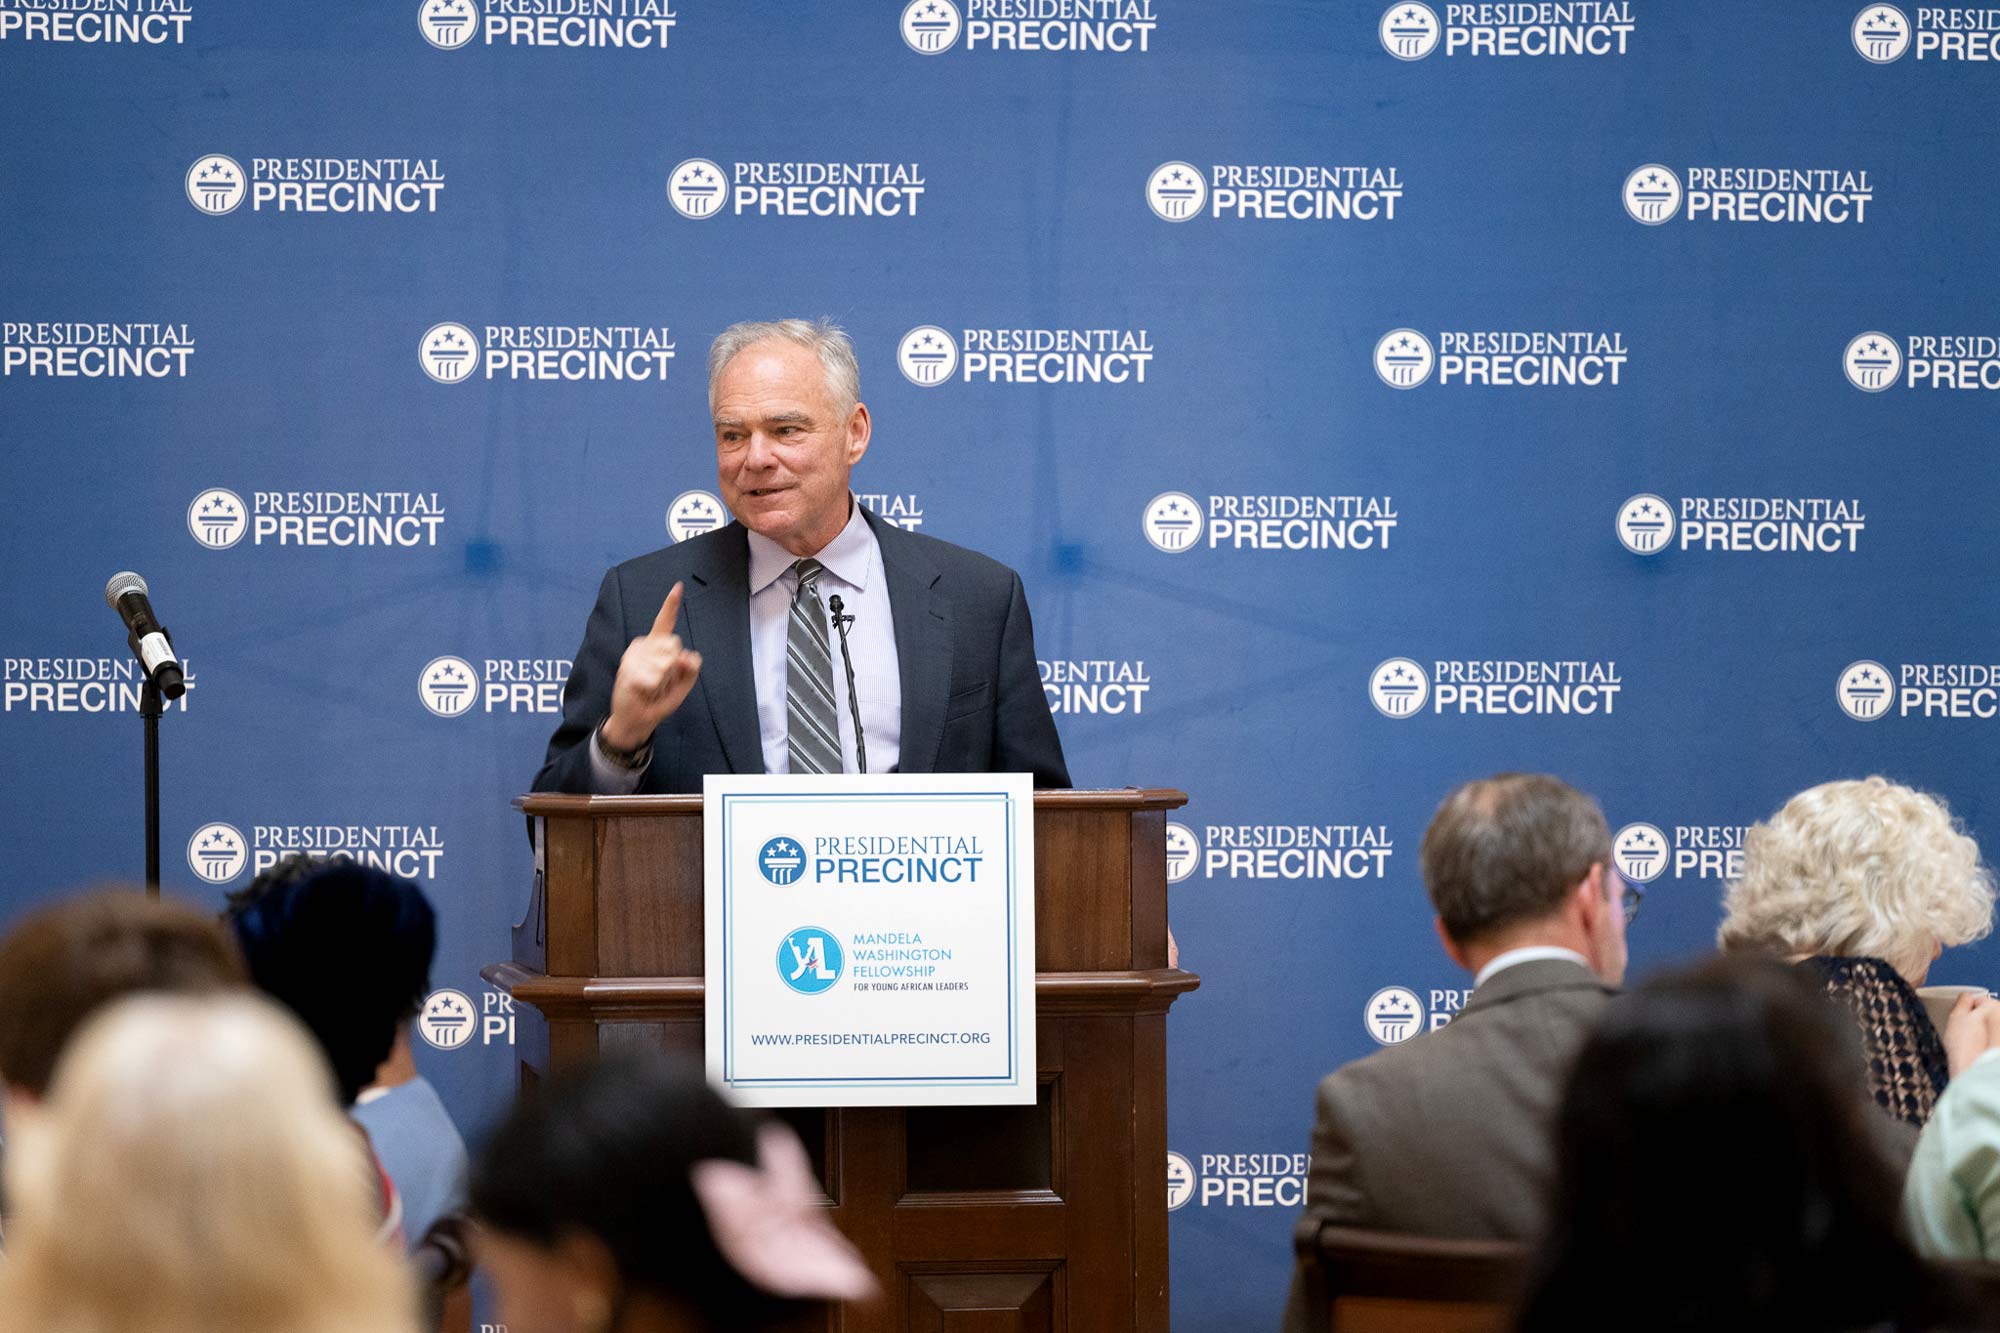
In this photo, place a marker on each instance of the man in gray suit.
(1449, 1134)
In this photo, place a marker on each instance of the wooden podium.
(1043, 1217)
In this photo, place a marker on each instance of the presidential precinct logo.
(1393, 1014)
(448, 24)
(448, 685)
(215, 184)
(1652, 194)
(1410, 32)
(1183, 852)
(448, 352)
(1404, 358)
(927, 356)
(1639, 852)
(217, 853)
(217, 518)
(1180, 1180)
(931, 27)
(1873, 362)
(781, 859)
(693, 513)
(1173, 522)
(447, 1019)
(1399, 688)
(697, 188)
(810, 960)
(1176, 191)
(1645, 524)
(1865, 690)
(1881, 34)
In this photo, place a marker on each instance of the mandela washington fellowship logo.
(927, 356)
(693, 513)
(217, 518)
(1881, 34)
(781, 859)
(1180, 1180)
(931, 27)
(810, 960)
(1399, 688)
(1393, 1014)
(697, 188)
(1873, 362)
(448, 25)
(447, 1019)
(1183, 852)
(1176, 191)
(1410, 32)
(1404, 358)
(1173, 522)
(215, 184)
(1639, 852)
(1652, 194)
(1865, 690)
(448, 685)
(1645, 524)
(448, 353)
(217, 853)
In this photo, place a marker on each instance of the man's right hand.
(655, 674)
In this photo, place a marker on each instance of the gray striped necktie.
(812, 727)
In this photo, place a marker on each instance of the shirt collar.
(846, 557)
(1533, 953)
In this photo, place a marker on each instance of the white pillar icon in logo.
(448, 353)
(1881, 34)
(927, 356)
(447, 1019)
(1173, 522)
(1180, 1181)
(1652, 194)
(1873, 362)
(1645, 524)
(1404, 358)
(1394, 1014)
(1866, 691)
(697, 188)
(931, 27)
(216, 853)
(216, 518)
(215, 184)
(1639, 852)
(448, 24)
(1409, 31)
(1176, 191)
(448, 686)
(693, 513)
(1183, 852)
(1399, 688)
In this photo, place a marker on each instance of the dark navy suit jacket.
(965, 650)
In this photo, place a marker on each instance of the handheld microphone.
(840, 622)
(126, 594)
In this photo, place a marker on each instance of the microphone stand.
(841, 622)
(151, 705)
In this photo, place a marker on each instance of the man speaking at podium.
(730, 652)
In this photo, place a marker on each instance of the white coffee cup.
(1939, 1000)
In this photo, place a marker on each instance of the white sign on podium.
(871, 939)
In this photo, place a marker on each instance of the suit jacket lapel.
(923, 644)
(715, 611)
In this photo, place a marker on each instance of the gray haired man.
(722, 653)
(1449, 1133)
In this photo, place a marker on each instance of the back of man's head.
(344, 946)
(1506, 851)
(61, 964)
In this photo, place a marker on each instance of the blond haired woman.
(190, 1173)
(1866, 882)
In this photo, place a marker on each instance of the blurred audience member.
(1865, 882)
(1951, 1198)
(1719, 1169)
(415, 1138)
(629, 1196)
(188, 1171)
(1447, 1133)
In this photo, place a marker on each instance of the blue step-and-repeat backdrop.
(1370, 398)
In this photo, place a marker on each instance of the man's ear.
(1451, 949)
(859, 428)
(1588, 899)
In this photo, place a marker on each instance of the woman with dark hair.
(1721, 1168)
(630, 1198)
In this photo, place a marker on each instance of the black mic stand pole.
(151, 705)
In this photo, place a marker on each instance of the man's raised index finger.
(670, 610)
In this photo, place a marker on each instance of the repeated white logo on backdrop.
(1180, 1181)
(1173, 522)
(453, 687)
(927, 356)
(98, 350)
(633, 25)
(1640, 852)
(1404, 358)
(448, 24)
(217, 518)
(931, 27)
(449, 1019)
(1099, 27)
(1643, 852)
(1399, 688)
(1513, 687)
(1866, 691)
(1881, 34)
(1183, 852)
(448, 352)
(448, 686)
(1958, 691)
(697, 188)
(1646, 524)
(1652, 194)
(1280, 852)
(1873, 362)
(1410, 31)
(97, 22)
(1237, 1180)
(1394, 1014)
(1884, 34)
(693, 513)
(216, 184)
(1655, 194)
(36, 684)
(1177, 191)
(217, 853)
